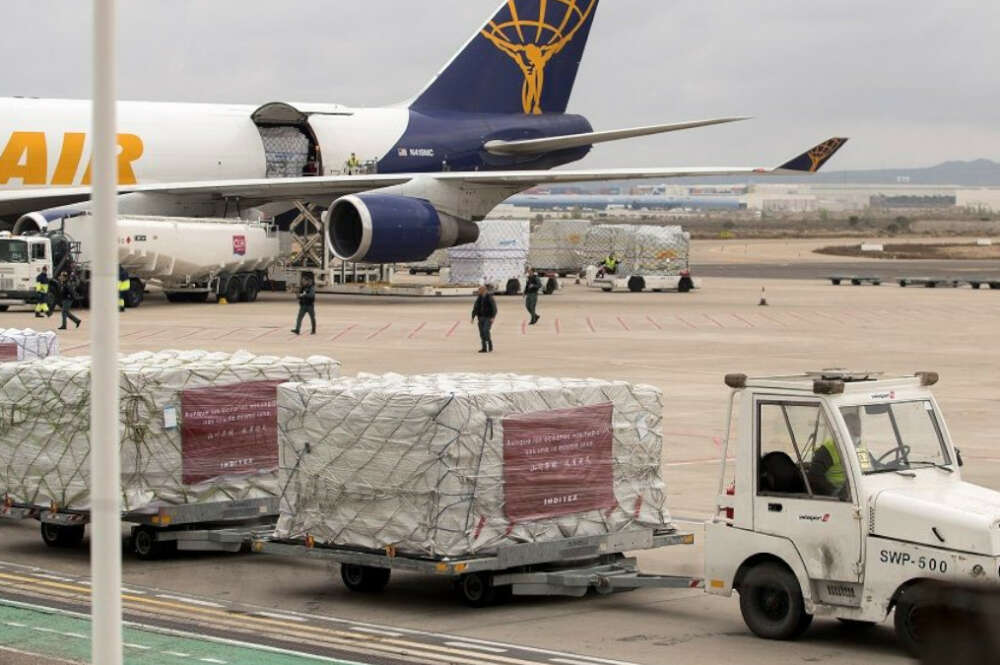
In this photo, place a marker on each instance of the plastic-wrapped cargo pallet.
(448, 465)
(500, 254)
(556, 243)
(641, 250)
(27, 344)
(196, 427)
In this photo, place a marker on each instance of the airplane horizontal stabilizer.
(550, 144)
(812, 160)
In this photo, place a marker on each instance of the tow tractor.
(843, 499)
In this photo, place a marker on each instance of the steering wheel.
(900, 453)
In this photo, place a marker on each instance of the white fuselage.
(46, 142)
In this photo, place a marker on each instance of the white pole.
(105, 524)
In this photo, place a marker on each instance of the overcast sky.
(912, 82)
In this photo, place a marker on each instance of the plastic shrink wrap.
(195, 427)
(641, 250)
(454, 464)
(27, 344)
(556, 245)
(501, 253)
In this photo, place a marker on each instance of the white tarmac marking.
(469, 645)
(140, 647)
(192, 601)
(213, 660)
(572, 661)
(54, 577)
(178, 654)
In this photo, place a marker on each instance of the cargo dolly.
(219, 526)
(856, 280)
(565, 567)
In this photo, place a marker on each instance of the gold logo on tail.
(822, 152)
(527, 45)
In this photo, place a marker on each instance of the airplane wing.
(539, 146)
(326, 188)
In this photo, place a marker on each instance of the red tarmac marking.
(557, 327)
(773, 320)
(416, 330)
(590, 324)
(524, 327)
(195, 332)
(719, 325)
(343, 332)
(451, 331)
(380, 331)
(737, 316)
(263, 334)
(622, 321)
(653, 321)
(684, 321)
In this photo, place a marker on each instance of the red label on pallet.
(8, 351)
(558, 462)
(229, 429)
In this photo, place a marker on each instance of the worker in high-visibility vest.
(610, 264)
(124, 284)
(42, 293)
(827, 462)
(353, 165)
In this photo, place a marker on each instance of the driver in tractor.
(827, 473)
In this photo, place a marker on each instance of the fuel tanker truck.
(190, 260)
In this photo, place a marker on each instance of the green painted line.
(63, 635)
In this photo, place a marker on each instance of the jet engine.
(385, 228)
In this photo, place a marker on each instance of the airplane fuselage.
(46, 143)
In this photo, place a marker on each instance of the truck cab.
(844, 498)
(21, 260)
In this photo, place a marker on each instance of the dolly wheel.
(58, 535)
(365, 579)
(477, 589)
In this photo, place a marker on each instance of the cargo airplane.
(397, 182)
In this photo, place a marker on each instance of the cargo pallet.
(565, 567)
(638, 283)
(220, 526)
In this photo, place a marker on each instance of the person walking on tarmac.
(42, 294)
(353, 165)
(307, 303)
(485, 310)
(531, 289)
(68, 286)
(124, 284)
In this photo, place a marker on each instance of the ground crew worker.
(531, 289)
(68, 285)
(827, 465)
(485, 310)
(307, 303)
(124, 284)
(353, 165)
(610, 264)
(42, 293)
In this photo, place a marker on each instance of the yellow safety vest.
(610, 263)
(41, 288)
(124, 285)
(835, 475)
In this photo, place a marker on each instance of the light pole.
(105, 477)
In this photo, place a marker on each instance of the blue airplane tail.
(524, 60)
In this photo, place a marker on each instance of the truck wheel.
(4, 308)
(233, 291)
(364, 579)
(251, 288)
(176, 296)
(914, 617)
(57, 535)
(133, 297)
(685, 285)
(477, 590)
(771, 603)
(636, 283)
(551, 286)
(513, 287)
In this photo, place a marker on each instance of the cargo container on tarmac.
(189, 259)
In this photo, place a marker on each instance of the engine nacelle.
(386, 228)
(38, 222)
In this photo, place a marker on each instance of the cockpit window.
(13, 251)
(896, 436)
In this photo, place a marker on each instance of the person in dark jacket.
(307, 303)
(68, 293)
(531, 289)
(485, 310)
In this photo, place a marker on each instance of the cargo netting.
(449, 465)
(195, 427)
(27, 344)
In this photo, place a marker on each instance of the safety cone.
(223, 301)
(763, 298)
